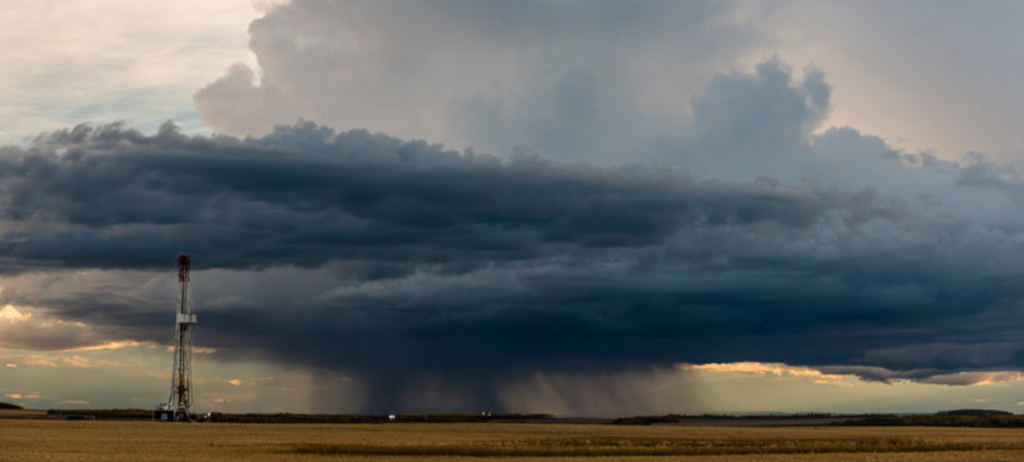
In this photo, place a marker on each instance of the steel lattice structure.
(181, 379)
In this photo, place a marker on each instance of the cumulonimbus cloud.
(409, 259)
(749, 235)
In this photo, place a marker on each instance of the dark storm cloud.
(504, 266)
(480, 269)
(109, 197)
(403, 263)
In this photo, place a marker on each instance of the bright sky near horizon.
(677, 206)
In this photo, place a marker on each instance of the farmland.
(59, 440)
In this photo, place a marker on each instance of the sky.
(586, 208)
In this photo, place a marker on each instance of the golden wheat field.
(52, 440)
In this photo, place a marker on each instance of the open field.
(56, 440)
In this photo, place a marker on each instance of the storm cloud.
(599, 235)
(305, 196)
(403, 263)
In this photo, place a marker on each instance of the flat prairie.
(57, 440)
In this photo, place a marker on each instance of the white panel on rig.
(180, 402)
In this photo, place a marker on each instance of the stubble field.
(52, 440)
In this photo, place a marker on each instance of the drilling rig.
(180, 402)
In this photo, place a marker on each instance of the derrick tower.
(180, 400)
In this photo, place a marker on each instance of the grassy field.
(54, 440)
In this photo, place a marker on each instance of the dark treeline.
(956, 418)
(959, 418)
(422, 418)
(676, 418)
(142, 414)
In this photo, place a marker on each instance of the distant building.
(163, 415)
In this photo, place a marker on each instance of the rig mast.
(180, 400)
